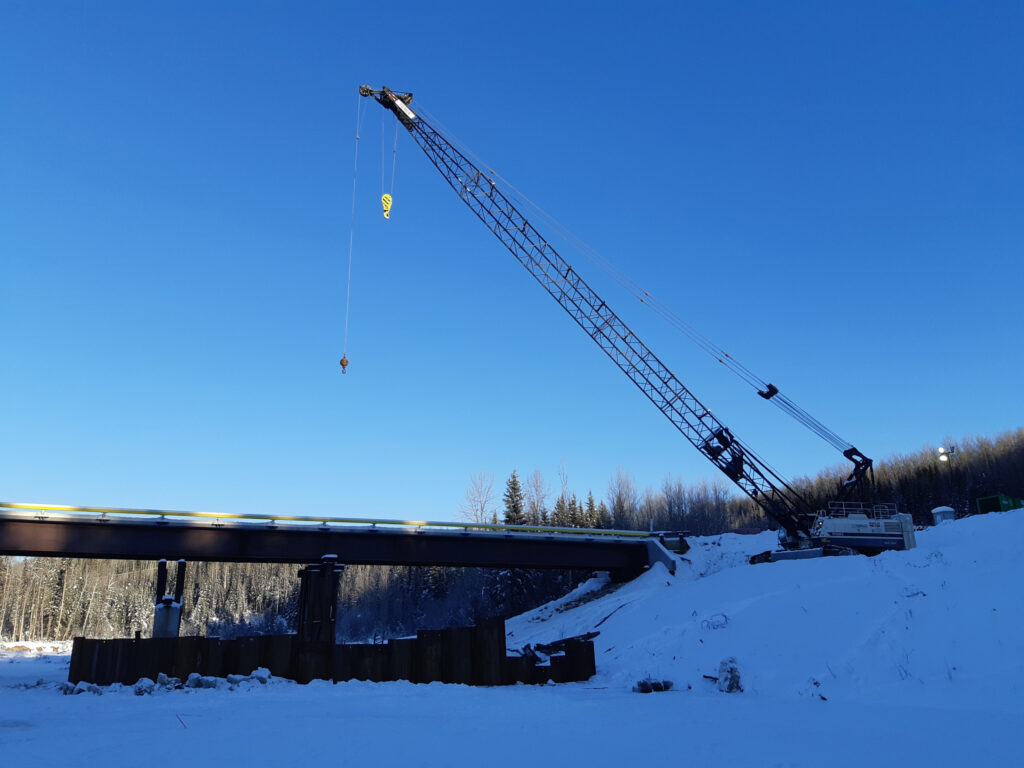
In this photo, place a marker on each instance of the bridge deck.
(59, 531)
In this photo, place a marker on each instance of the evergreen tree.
(590, 512)
(604, 517)
(575, 513)
(515, 503)
(560, 514)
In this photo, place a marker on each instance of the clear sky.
(831, 191)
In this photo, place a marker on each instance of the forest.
(61, 598)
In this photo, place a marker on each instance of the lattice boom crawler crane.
(804, 530)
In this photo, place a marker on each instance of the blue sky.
(832, 192)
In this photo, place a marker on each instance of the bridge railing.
(43, 511)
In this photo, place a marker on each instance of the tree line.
(705, 508)
(60, 598)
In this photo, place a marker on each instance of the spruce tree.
(590, 512)
(515, 503)
(560, 514)
(575, 513)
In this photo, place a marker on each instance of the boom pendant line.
(691, 417)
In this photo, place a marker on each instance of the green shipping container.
(998, 503)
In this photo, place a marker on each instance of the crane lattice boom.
(691, 417)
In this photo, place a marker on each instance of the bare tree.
(536, 492)
(478, 506)
(563, 478)
(624, 499)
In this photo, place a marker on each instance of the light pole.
(947, 454)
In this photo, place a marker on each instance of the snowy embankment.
(941, 625)
(909, 657)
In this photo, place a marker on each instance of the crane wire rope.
(781, 401)
(387, 194)
(619, 277)
(394, 160)
(351, 232)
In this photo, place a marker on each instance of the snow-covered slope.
(908, 658)
(941, 625)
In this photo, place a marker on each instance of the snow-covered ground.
(910, 658)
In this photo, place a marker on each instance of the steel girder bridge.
(46, 530)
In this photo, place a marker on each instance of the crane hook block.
(344, 364)
(386, 202)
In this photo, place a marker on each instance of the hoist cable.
(611, 270)
(383, 151)
(784, 403)
(394, 160)
(352, 228)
